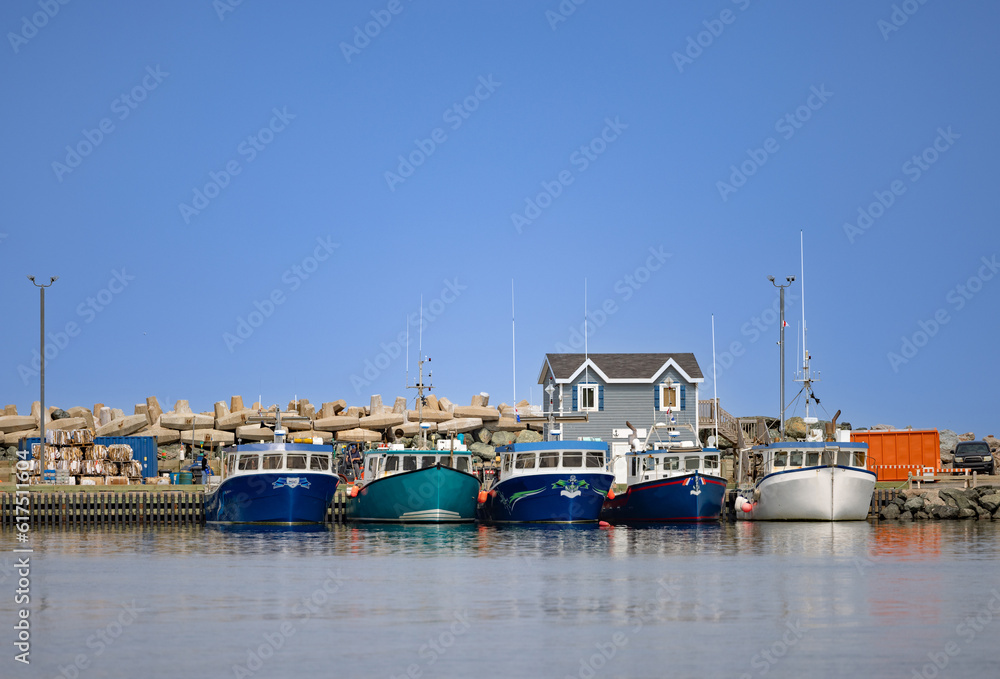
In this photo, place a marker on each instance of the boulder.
(914, 504)
(503, 438)
(921, 516)
(413, 428)
(944, 512)
(983, 513)
(956, 497)
(990, 502)
(993, 443)
(795, 428)
(483, 435)
(59, 414)
(906, 516)
(967, 436)
(123, 426)
(529, 436)
(482, 451)
(948, 440)
(967, 513)
(932, 497)
(888, 512)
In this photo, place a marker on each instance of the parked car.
(974, 455)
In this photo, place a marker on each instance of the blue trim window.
(588, 397)
(669, 397)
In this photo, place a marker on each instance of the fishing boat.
(820, 479)
(807, 481)
(280, 482)
(673, 483)
(406, 485)
(548, 482)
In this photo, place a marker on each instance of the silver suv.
(974, 455)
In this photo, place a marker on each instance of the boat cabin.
(787, 457)
(267, 458)
(394, 459)
(552, 458)
(651, 465)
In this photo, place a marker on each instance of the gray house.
(613, 388)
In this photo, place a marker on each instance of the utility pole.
(41, 417)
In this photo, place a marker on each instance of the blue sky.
(253, 199)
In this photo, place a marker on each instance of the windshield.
(973, 449)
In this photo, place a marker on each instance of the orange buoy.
(611, 493)
(604, 524)
(482, 496)
(354, 491)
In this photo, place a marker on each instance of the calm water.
(750, 599)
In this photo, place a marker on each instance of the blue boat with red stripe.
(679, 484)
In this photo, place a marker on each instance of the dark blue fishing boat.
(548, 482)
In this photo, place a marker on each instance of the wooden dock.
(169, 508)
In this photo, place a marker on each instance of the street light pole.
(781, 345)
(41, 417)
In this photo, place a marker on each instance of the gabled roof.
(620, 368)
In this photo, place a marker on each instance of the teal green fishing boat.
(415, 486)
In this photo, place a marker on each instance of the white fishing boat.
(812, 480)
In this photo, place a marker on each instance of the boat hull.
(547, 498)
(280, 497)
(828, 493)
(692, 497)
(435, 494)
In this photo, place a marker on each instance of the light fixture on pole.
(41, 417)
(781, 344)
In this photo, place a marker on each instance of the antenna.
(513, 346)
(715, 385)
(420, 332)
(406, 323)
(586, 352)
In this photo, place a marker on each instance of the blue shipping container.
(143, 449)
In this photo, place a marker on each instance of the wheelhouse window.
(548, 460)
(671, 462)
(462, 464)
(248, 462)
(781, 459)
(595, 460)
(587, 395)
(392, 463)
(319, 462)
(272, 461)
(812, 459)
(670, 397)
(859, 459)
(692, 463)
(506, 462)
(711, 462)
(524, 461)
(572, 459)
(428, 461)
(844, 458)
(296, 461)
(795, 459)
(649, 463)
(635, 466)
(409, 463)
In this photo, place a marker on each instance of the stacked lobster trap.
(72, 458)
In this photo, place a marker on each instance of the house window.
(588, 396)
(670, 397)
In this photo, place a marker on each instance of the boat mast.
(781, 347)
(419, 386)
(807, 379)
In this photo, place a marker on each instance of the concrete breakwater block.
(123, 426)
(336, 423)
(11, 423)
(460, 425)
(184, 421)
(162, 436)
(484, 413)
(428, 415)
(207, 435)
(381, 421)
(413, 428)
(358, 436)
(254, 432)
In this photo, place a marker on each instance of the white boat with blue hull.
(279, 482)
(807, 481)
(548, 482)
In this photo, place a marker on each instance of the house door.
(620, 470)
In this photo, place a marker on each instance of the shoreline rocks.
(981, 503)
